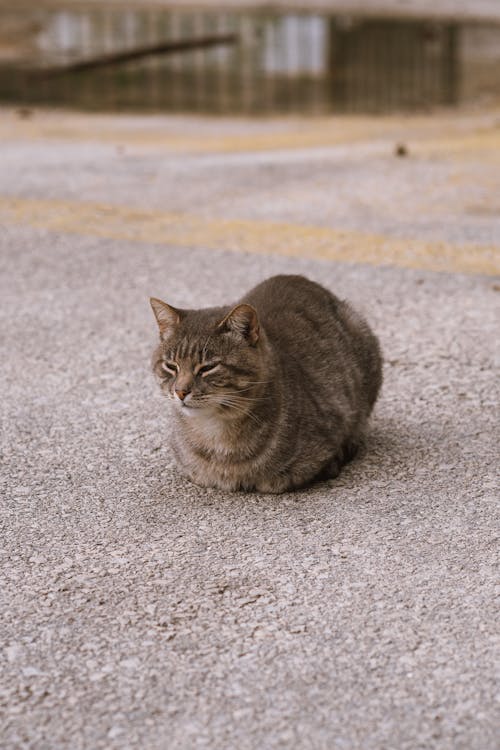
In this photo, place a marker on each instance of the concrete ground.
(140, 611)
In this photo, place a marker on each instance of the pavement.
(140, 611)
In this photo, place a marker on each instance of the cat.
(271, 393)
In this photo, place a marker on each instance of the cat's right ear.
(166, 316)
(242, 320)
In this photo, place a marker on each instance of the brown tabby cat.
(269, 394)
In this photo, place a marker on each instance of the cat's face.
(206, 364)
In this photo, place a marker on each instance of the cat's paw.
(274, 485)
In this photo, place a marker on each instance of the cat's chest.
(211, 434)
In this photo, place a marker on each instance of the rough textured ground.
(139, 611)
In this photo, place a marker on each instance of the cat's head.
(209, 360)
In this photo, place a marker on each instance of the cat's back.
(326, 337)
(294, 304)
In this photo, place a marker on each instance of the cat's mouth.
(192, 405)
(185, 406)
(188, 407)
(186, 411)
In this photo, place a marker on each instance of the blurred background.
(232, 57)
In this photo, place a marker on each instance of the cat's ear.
(242, 320)
(166, 316)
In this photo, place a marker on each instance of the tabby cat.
(269, 394)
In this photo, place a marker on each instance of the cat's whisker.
(259, 382)
(238, 408)
(234, 401)
(250, 399)
(250, 387)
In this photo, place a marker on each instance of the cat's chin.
(192, 410)
(187, 411)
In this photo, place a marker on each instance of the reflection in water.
(300, 62)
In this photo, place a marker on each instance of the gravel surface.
(139, 611)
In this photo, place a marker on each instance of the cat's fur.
(295, 375)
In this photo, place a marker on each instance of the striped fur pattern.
(269, 394)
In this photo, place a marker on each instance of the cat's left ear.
(243, 320)
(166, 316)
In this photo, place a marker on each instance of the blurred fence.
(163, 59)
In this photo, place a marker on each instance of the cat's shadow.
(388, 452)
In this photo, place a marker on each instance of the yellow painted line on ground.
(207, 138)
(240, 235)
(440, 135)
(483, 144)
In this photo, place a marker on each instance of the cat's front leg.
(346, 453)
(275, 485)
(209, 480)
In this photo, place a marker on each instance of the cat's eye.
(205, 369)
(170, 367)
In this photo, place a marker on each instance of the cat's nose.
(181, 393)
